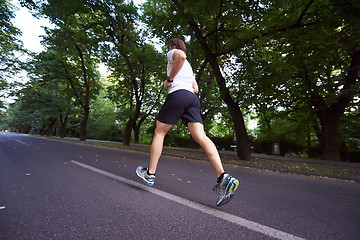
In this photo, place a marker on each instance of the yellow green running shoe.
(226, 188)
(149, 179)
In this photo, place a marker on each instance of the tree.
(79, 64)
(78, 44)
(280, 59)
(111, 23)
(133, 62)
(326, 63)
(220, 30)
(103, 122)
(10, 45)
(226, 29)
(48, 73)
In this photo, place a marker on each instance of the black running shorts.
(181, 104)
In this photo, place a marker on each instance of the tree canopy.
(293, 66)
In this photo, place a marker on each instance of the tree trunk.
(329, 137)
(136, 129)
(83, 124)
(43, 130)
(63, 125)
(50, 127)
(86, 102)
(137, 126)
(127, 132)
(328, 131)
(131, 125)
(32, 129)
(242, 140)
(329, 116)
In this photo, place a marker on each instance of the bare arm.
(195, 87)
(179, 58)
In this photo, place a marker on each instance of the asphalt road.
(58, 190)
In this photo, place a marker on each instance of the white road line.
(22, 142)
(211, 211)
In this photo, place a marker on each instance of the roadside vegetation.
(294, 167)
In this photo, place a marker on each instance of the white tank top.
(185, 77)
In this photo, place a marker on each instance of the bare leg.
(157, 144)
(197, 132)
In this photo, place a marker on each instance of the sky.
(32, 28)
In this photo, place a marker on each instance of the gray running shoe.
(226, 188)
(142, 173)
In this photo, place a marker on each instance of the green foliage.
(103, 123)
(10, 44)
(276, 57)
(10, 48)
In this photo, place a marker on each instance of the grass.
(309, 169)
